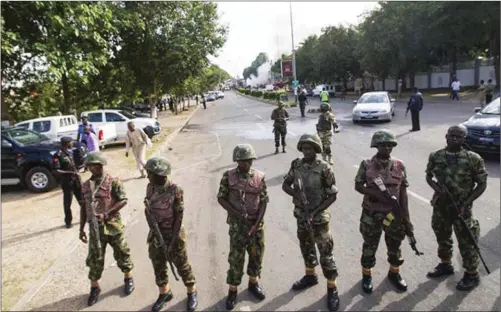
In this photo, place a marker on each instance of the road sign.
(295, 84)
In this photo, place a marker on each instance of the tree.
(252, 69)
(305, 67)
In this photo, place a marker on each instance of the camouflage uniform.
(319, 182)
(166, 204)
(112, 232)
(280, 126)
(459, 172)
(326, 120)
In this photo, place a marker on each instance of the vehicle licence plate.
(368, 116)
(486, 140)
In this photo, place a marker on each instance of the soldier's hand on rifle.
(83, 237)
(253, 230)
(100, 217)
(409, 228)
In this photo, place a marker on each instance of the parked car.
(219, 95)
(28, 158)
(483, 128)
(133, 112)
(120, 118)
(374, 106)
(209, 97)
(309, 92)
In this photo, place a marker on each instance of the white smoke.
(263, 76)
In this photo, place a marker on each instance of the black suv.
(28, 158)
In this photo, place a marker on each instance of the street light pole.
(293, 51)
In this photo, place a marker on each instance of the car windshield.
(127, 114)
(373, 98)
(492, 108)
(24, 136)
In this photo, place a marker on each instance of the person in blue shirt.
(81, 127)
(415, 105)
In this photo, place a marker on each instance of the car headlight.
(384, 111)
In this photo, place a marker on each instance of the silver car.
(374, 106)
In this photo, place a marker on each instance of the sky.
(256, 27)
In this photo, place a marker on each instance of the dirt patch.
(33, 232)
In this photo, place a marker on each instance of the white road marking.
(245, 109)
(245, 308)
(260, 125)
(355, 166)
(292, 133)
(417, 196)
(259, 117)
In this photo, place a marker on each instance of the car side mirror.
(355, 101)
(122, 119)
(477, 109)
(392, 100)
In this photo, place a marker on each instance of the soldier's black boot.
(367, 283)
(332, 299)
(192, 301)
(94, 295)
(305, 282)
(231, 301)
(276, 150)
(256, 290)
(397, 280)
(468, 282)
(161, 301)
(129, 286)
(440, 270)
(283, 149)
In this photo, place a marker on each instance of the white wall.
(486, 73)
(421, 81)
(466, 76)
(440, 80)
(389, 84)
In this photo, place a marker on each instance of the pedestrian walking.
(84, 118)
(379, 212)
(302, 101)
(464, 175)
(71, 182)
(104, 198)
(400, 86)
(325, 127)
(280, 117)
(456, 87)
(313, 193)
(90, 139)
(481, 95)
(165, 211)
(489, 91)
(138, 140)
(203, 101)
(415, 105)
(324, 96)
(244, 195)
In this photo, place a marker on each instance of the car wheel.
(355, 121)
(39, 179)
(393, 113)
(149, 131)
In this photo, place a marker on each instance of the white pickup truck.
(120, 118)
(56, 127)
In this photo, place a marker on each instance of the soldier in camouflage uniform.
(109, 194)
(244, 195)
(459, 169)
(320, 190)
(167, 207)
(280, 116)
(378, 213)
(325, 126)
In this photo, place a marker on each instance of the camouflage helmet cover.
(383, 136)
(159, 166)
(325, 106)
(243, 152)
(281, 104)
(95, 158)
(310, 138)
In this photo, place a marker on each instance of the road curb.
(37, 285)
(255, 98)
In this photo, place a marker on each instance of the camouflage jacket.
(318, 181)
(166, 201)
(111, 191)
(325, 121)
(459, 172)
(224, 189)
(279, 113)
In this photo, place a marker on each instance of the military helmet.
(325, 106)
(383, 136)
(310, 138)
(159, 166)
(95, 158)
(280, 104)
(243, 152)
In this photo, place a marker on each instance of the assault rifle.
(412, 240)
(305, 203)
(93, 222)
(460, 217)
(153, 224)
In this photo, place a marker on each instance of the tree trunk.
(453, 60)
(153, 103)
(66, 95)
(495, 53)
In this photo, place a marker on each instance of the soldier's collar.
(250, 173)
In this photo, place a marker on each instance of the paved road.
(200, 155)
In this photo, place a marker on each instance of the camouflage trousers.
(443, 223)
(179, 257)
(322, 238)
(240, 243)
(280, 133)
(326, 138)
(371, 228)
(121, 253)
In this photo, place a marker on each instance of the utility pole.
(293, 51)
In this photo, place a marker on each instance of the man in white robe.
(137, 139)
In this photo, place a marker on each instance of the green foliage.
(252, 70)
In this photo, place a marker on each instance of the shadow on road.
(79, 302)
(372, 300)
(489, 246)
(279, 301)
(19, 238)
(492, 165)
(451, 302)
(218, 306)
(12, 193)
(278, 180)
(409, 302)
